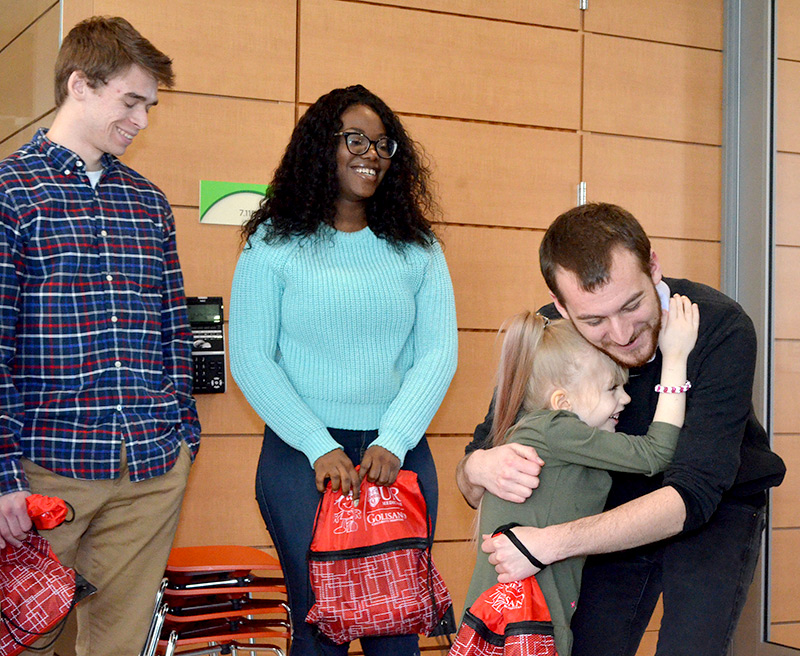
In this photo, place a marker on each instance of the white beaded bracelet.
(667, 389)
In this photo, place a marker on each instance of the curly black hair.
(304, 189)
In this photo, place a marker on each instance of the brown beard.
(654, 331)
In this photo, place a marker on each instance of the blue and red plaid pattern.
(95, 346)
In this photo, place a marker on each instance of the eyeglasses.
(359, 144)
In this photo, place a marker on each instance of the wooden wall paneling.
(787, 199)
(695, 260)
(73, 12)
(220, 506)
(17, 16)
(208, 255)
(455, 561)
(472, 68)
(787, 284)
(785, 634)
(455, 517)
(785, 386)
(787, 24)
(647, 647)
(239, 48)
(645, 89)
(785, 505)
(785, 589)
(495, 273)
(787, 91)
(10, 144)
(467, 399)
(556, 13)
(674, 189)
(500, 174)
(26, 86)
(192, 138)
(683, 22)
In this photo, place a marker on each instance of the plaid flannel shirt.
(95, 346)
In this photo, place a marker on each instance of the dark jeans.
(288, 498)
(704, 575)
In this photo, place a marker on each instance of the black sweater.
(723, 451)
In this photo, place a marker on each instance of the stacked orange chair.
(220, 600)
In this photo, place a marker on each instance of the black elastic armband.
(505, 529)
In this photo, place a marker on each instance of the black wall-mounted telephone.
(208, 346)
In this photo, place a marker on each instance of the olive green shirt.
(573, 483)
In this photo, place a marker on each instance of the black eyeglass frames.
(358, 144)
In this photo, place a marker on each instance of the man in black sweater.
(693, 533)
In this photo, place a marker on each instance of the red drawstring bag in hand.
(370, 565)
(36, 590)
(509, 619)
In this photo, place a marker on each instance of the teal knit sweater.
(342, 330)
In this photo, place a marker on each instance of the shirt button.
(67, 172)
(109, 278)
(103, 233)
(117, 364)
(113, 320)
(119, 408)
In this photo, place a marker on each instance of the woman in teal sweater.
(343, 330)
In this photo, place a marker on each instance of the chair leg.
(173, 639)
(149, 648)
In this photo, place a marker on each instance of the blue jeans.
(288, 498)
(704, 575)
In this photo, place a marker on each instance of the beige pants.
(119, 541)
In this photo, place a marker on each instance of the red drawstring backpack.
(370, 565)
(509, 619)
(36, 590)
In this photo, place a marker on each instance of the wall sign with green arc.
(229, 203)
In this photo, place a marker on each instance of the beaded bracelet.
(667, 389)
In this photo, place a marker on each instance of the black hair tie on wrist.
(505, 529)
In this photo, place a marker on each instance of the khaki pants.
(119, 541)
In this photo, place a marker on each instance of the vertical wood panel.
(787, 382)
(787, 283)
(22, 137)
(220, 506)
(652, 90)
(787, 199)
(787, 24)
(695, 260)
(495, 274)
(785, 634)
(455, 515)
(466, 67)
(786, 498)
(556, 13)
(469, 394)
(455, 561)
(17, 16)
(684, 22)
(26, 85)
(785, 588)
(787, 92)
(500, 174)
(192, 138)
(235, 48)
(673, 189)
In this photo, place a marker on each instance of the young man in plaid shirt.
(95, 347)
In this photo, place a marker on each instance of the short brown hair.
(583, 239)
(102, 47)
